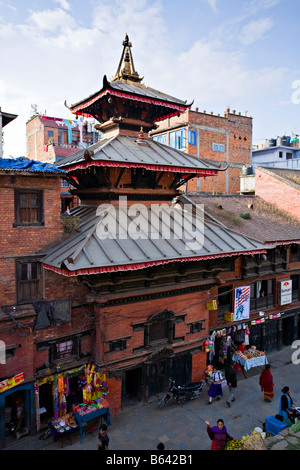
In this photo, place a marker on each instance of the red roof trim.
(178, 108)
(135, 266)
(200, 172)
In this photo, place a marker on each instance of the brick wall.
(20, 240)
(277, 192)
(232, 130)
(117, 322)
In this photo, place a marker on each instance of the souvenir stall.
(67, 401)
(219, 347)
(95, 407)
(250, 358)
(231, 344)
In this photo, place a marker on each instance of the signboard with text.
(285, 292)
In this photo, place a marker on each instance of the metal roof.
(126, 151)
(130, 90)
(141, 241)
(145, 91)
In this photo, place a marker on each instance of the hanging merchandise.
(55, 395)
(95, 385)
(37, 406)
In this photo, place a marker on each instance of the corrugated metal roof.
(125, 151)
(145, 243)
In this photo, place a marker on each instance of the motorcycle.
(181, 393)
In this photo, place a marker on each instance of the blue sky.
(237, 54)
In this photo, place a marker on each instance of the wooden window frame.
(28, 289)
(34, 214)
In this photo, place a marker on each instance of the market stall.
(85, 414)
(62, 429)
(250, 358)
(85, 385)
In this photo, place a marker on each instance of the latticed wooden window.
(64, 349)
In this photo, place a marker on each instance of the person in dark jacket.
(230, 376)
(103, 438)
(218, 435)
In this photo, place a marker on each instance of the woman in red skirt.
(266, 383)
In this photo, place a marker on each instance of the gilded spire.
(126, 70)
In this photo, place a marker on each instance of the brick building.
(274, 319)
(30, 218)
(50, 139)
(224, 140)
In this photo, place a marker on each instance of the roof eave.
(64, 271)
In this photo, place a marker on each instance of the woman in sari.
(266, 383)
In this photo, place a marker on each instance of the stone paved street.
(142, 426)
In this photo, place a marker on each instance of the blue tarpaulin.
(22, 163)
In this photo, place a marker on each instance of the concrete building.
(282, 153)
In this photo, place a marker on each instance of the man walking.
(230, 375)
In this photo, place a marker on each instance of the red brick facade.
(232, 130)
(278, 191)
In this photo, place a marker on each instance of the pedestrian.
(215, 389)
(218, 435)
(103, 438)
(230, 376)
(160, 446)
(266, 383)
(286, 406)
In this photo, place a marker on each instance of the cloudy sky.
(237, 54)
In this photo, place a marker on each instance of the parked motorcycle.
(181, 393)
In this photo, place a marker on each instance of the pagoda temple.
(148, 275)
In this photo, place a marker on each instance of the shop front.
(267, 333)
(58, 397)
(152, 377)
(17, 411)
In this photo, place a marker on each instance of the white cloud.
(255, 30)
(220, 76)
(213, 5)
(64, 4)
(54, 56)
(51, 20)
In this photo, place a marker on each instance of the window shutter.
(192, 137)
